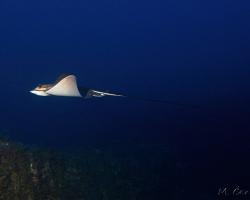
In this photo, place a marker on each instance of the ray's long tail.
(96, 93)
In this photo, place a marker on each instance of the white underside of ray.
(66, 87)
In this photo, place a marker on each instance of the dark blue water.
(191, 52)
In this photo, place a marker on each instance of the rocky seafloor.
(38, 174)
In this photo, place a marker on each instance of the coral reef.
(33, 174)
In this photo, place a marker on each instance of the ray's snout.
(39, 93)
(33, 91)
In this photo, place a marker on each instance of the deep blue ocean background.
(193, 52)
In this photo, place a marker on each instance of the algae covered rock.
(33, 174)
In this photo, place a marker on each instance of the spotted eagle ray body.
(66, 85)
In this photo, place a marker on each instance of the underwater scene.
(124, 100)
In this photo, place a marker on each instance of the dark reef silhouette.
(38, 174)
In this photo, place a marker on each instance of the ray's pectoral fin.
(65, 87)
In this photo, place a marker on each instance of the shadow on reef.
(36, 174)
